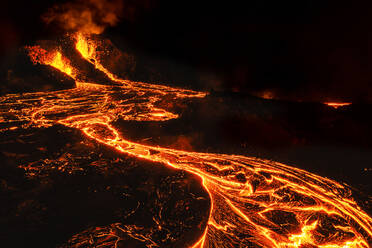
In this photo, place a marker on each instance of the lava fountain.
(254, 202)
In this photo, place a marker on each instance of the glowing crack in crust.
(254, 202)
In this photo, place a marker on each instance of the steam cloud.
(86, 16)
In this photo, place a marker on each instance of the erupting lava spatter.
(254, 202)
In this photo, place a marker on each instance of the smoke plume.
(86, 16)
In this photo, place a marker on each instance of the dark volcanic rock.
(62, 188)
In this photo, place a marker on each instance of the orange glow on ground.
(247, 194)
(336, 105)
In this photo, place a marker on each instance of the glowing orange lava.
(87, 49)
(54, 58)
(254, 202)
(337, 104)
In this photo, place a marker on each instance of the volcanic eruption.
(253, 202)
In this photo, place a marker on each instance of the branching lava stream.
(254, 202)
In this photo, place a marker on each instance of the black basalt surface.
(59, 188)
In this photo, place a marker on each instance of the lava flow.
(254, 202)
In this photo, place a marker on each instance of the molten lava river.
(254, 202)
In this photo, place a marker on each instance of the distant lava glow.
(337, 104)
(254, 202)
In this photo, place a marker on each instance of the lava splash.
(254, 202)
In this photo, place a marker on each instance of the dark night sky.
(310, 50)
